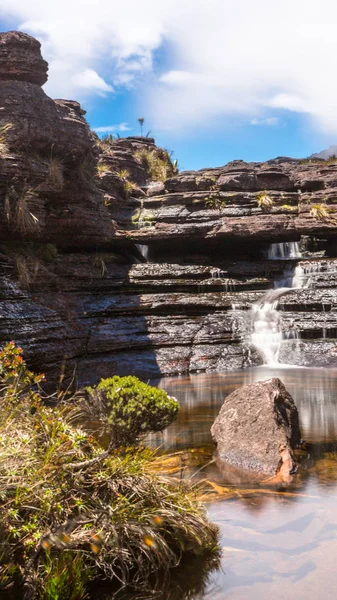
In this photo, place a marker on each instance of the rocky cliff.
(113, 263)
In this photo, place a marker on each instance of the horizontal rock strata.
(79, 216)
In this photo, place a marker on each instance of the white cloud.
(270, 121)
(112, 128)
(223, 60)
(90, 80)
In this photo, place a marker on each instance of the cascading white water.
(144, 250)
(266, 327)
(284, 251)
(267, 334)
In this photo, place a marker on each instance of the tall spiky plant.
(141, 123)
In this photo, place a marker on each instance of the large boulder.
(258, 428)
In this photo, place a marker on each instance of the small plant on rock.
(123, 174)
(264, 201)
(129, 187)
(288, 207)
(103, 168)
(158, 164)
(215, 202)
(320, 212)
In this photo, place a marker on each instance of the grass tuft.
(26, 222)
(103, 168)
(320, 212)
(159, 166)
(56, 171)
(4, 129)
(264, 201)
(123, 174)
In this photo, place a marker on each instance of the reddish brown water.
(276, 544)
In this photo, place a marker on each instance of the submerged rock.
(257, 428)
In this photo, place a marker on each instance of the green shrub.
(131, 408)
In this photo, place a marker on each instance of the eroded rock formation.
(257, 429)
(78, 217)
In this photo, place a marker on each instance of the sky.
(215, 80)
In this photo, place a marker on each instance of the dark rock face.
(47, 163)
(95, 304)
(20, 58)
(257, 428)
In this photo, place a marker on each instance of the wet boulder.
(257, 429)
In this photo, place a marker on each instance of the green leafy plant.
(132, 408)
(264, 201)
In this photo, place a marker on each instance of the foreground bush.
(128, 409)
(72, 513)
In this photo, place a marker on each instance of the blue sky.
(214, 81)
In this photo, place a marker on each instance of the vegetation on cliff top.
(71, 512)
(158, 163)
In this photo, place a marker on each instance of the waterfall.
(144, 251)
(267, 335)
(284, 251)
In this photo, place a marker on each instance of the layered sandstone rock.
(20, 58)
(47, 160)
(91, 302)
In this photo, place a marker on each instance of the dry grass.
(264, 201)
(27, 268)
(4, 129)
(7, 209)
(123, 174)
(320, 212)
(99, 262)
(56, 169)
(129, 188)
(159, 166)
(26, 222)
(103, 168)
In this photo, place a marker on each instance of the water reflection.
(277, 542)
(201, 396)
